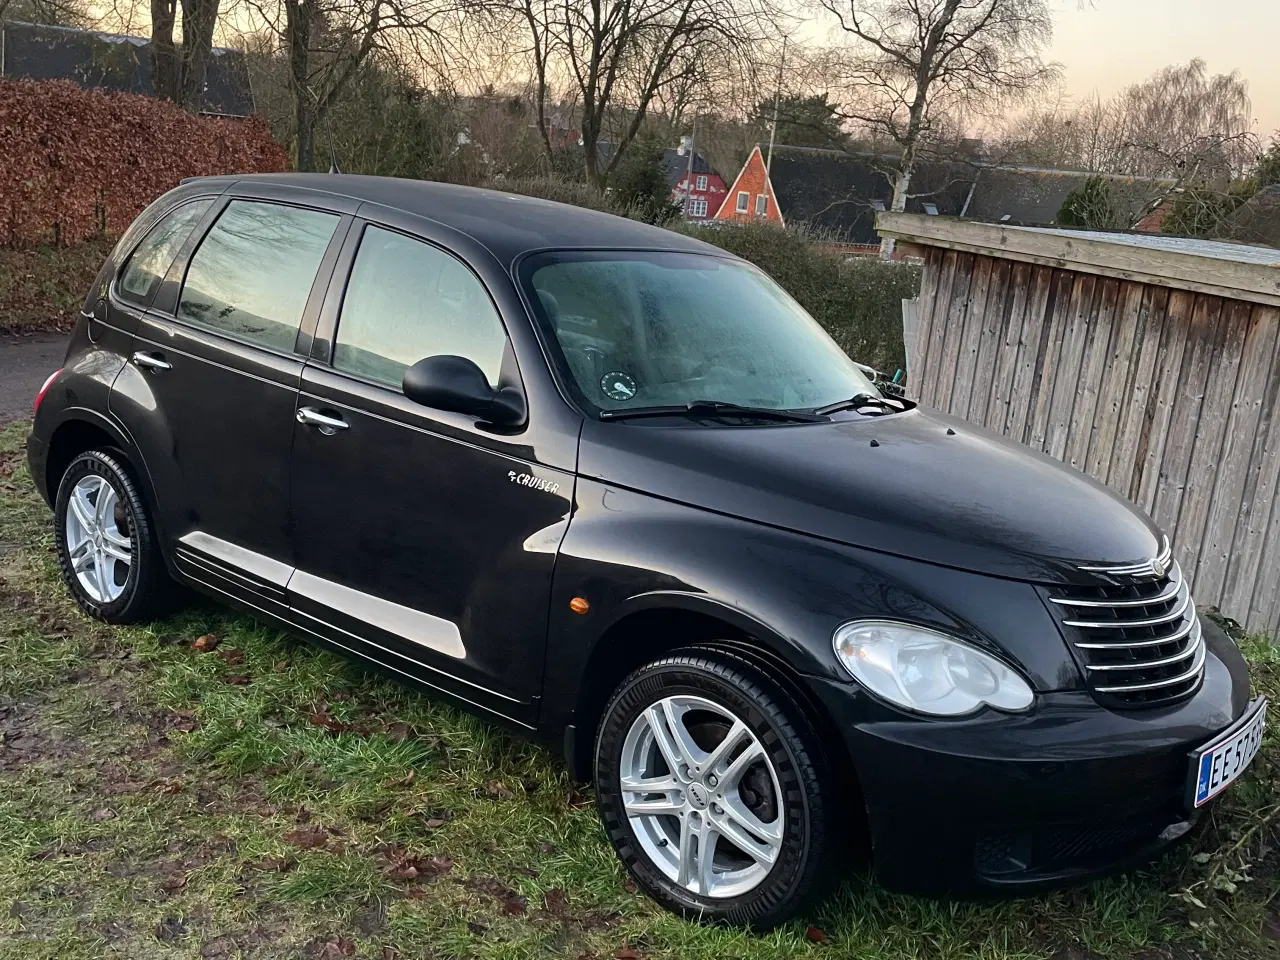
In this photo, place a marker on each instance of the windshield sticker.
(618, 385)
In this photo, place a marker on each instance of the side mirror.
(457, 384)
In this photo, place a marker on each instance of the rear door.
(209, 393)
(420, 535)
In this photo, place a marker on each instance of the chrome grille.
(1137, 635)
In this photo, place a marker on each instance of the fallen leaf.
(512, 903)
(390, 953)
(401, 781)
(308, 838)
(629, 886)
(236, 680)
(332, 949)
(167, 786)
(477, 928)
(527, 872)
(170, 929)
(434, 823)
(218, 947)
(496, 788)
(397, 732)
(205, 643)
(174, 882)
(102, 813)
(815, 935)
(330, 723)
(282, 666)
(628, 953)
(232, 656)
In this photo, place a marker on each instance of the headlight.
(924, 670)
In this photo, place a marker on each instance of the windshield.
(656, 329)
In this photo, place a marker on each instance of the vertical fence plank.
(1173, 341)
(1099, 341)
(989, 342)
(916, 372)
(1030, 343)
(932, 333)
(1051, 339)
(966, 361)
(1007, 355)
(1207, 467)
(1067, 379)
(1227, 523)
(957, 313)
(1176, 463)
(1115, 381)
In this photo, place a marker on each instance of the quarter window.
(251, 275)
(408, 300)
(744, 201)
(151, 261)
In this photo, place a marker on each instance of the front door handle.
(149, 361)
(314, 418)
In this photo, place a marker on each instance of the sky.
(1105, 45)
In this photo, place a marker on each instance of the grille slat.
(1135, 634)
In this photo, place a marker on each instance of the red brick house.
(751, 195)
(701, 198)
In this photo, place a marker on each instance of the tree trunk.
(901, 184)
(199, 17)
(297, 40)
(164, 55)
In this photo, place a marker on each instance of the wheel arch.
(80, 430)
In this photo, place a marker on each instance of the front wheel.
(710, 788)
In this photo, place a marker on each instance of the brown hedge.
(76, 163)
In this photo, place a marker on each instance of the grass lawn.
(262, 798)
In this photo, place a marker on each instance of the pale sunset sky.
(1105, 45)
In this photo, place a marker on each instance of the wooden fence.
(1156, 375)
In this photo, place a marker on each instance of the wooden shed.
(1150, 362)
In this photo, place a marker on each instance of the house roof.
(113, 61)
(676, 164)
(1034, 195)
(1257, 220)
(837, 191)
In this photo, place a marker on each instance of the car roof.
(507, 224)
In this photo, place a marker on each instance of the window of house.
(252, 274)
(408, 300)
(931, 209)
(151, 261)
(762, 204)
(697, 209)
(744, 201)
(700, 182)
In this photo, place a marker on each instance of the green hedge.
(857, 299)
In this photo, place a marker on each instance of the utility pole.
(777, 97)
(688, 175)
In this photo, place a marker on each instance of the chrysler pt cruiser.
(611, 486)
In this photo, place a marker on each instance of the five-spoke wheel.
(711, 788)
(99, 543)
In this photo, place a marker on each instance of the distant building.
(701, 197)
(838, 193)
(112, 61)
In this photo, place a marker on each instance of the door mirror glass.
(458, 384)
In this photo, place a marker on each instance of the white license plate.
(1221, 763)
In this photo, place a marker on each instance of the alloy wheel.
(99, 544)
(702, 796)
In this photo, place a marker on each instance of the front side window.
(744, 200)
(407, 301)
(252, 274)
(762, 204)
(154, 255)
(652, 329)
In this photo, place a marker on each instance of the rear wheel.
(708, 786)
(106, 542)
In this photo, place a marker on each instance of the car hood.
(918, 484)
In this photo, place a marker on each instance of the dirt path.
(24, 363)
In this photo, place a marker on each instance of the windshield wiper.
(713, 408)
(862, 400)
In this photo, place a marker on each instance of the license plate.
(1220, 763)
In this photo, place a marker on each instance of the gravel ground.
(24, 363)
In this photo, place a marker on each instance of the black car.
(611, 486)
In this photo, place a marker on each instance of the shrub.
(43, 288)
(82, 163)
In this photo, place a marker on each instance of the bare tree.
(618, 58)
(912, 62)
(178, 72)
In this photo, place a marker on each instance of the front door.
(209, 394)
(422, 540)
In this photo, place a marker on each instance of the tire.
(785, 789)
(130, 590)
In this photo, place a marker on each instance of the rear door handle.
(314, 418)
(150, 361)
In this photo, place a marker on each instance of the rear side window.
(251, 275)
(408, 300)
(151, 260)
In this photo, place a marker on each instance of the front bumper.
(1065, 792)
